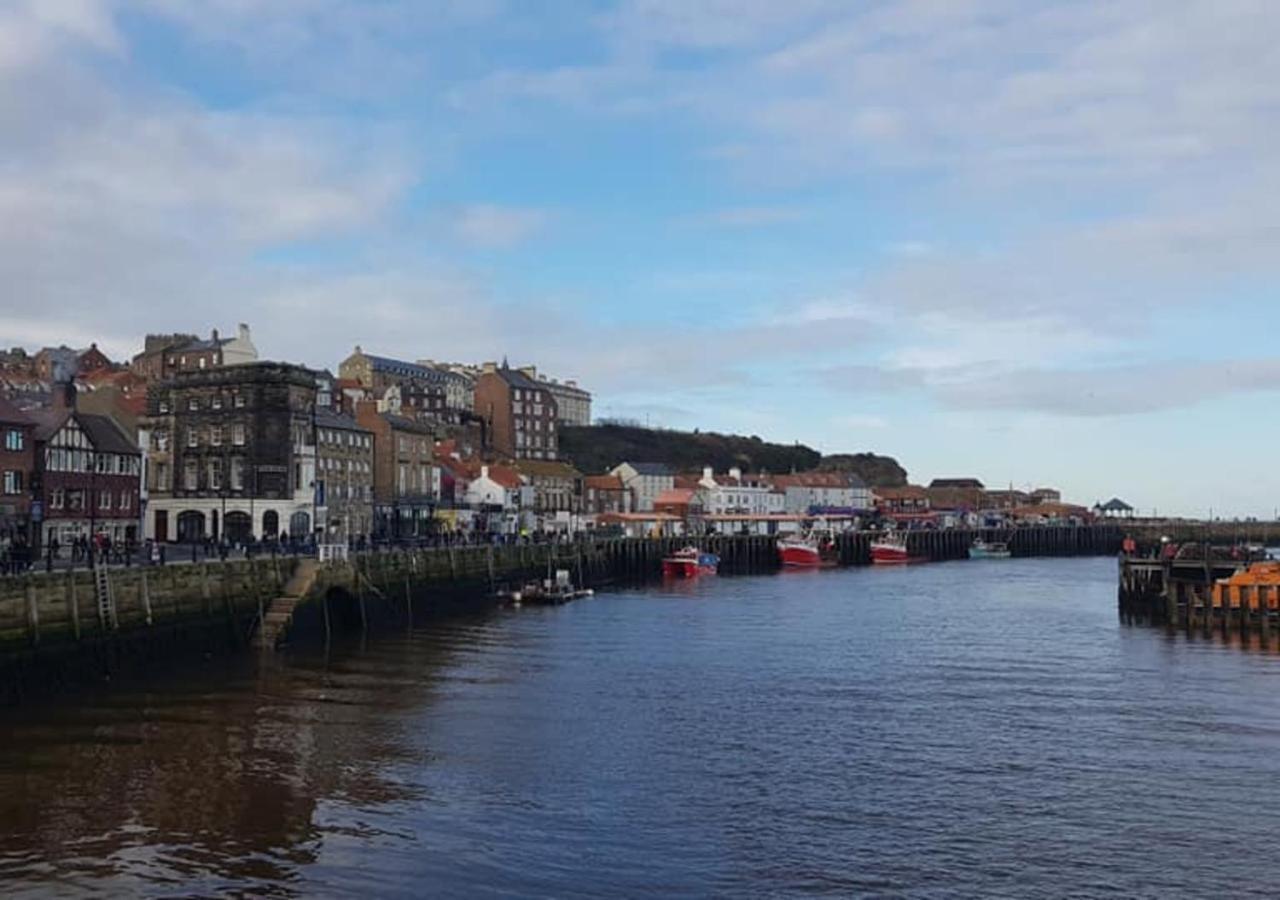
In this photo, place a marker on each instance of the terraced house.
(406, 481)
(344, 459)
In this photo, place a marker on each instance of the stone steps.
(279, 613)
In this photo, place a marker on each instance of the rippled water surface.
(962, 729)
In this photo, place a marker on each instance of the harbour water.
(961, 729)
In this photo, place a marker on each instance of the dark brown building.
(89, 472)
(233, 453)
(17, 469)
(519, 414)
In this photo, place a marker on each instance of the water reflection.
(215, 776)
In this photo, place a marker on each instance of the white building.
(645, 481)
(823, 492)
(495, 487)
(735, 493)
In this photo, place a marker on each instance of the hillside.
(599, 448)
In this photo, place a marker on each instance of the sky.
(1031, 242)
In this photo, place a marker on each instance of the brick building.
(165, 355)
(605, 494)
(519, 414)
(89, 474)
(17, 471)
(424, 390)
(956, 493)
(232, 453)
(406, 480)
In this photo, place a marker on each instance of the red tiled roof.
(505, 476)
(812, 479)
(603, 482)
(910, 492)
(675, 497)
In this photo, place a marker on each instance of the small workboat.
(690, 563)
(812, 551)
(981, 549)
(891, 550)
(548, 592)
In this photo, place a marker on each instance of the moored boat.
(690, 563)
(811, 551)
(891, 550)
(981, 549)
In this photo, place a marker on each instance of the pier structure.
(1206, 593)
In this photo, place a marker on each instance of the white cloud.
(498, 226)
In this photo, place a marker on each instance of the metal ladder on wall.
(106, 602)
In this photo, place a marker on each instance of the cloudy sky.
(1034, 242)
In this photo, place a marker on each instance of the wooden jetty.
(1210, 592)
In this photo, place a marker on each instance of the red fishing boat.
(891, 550)
(690, 563)
(808, 552)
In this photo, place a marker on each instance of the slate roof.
(406, 369)
(11, 415)
(400, 423)
(106, 434)
(327, 418)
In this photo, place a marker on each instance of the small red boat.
(891, 550)
(690, 563)
(811, 552)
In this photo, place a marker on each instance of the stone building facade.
(164, 355)
(345, 463)
(233, 454)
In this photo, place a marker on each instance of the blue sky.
(1032, 242)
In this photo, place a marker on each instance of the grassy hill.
(599, 448)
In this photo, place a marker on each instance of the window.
(164, 406)
(193, 438)
(216, 402)
(237, 435)
(126, 501)
(192, 404)
(191, 475)
(215, 436)
(75, 500)
(239, 402)
(237, 474)
(104, 499)
(58, 499)
(13, 482)
(215, 475)
(14, 439)
(161, 440)
(161, 481)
